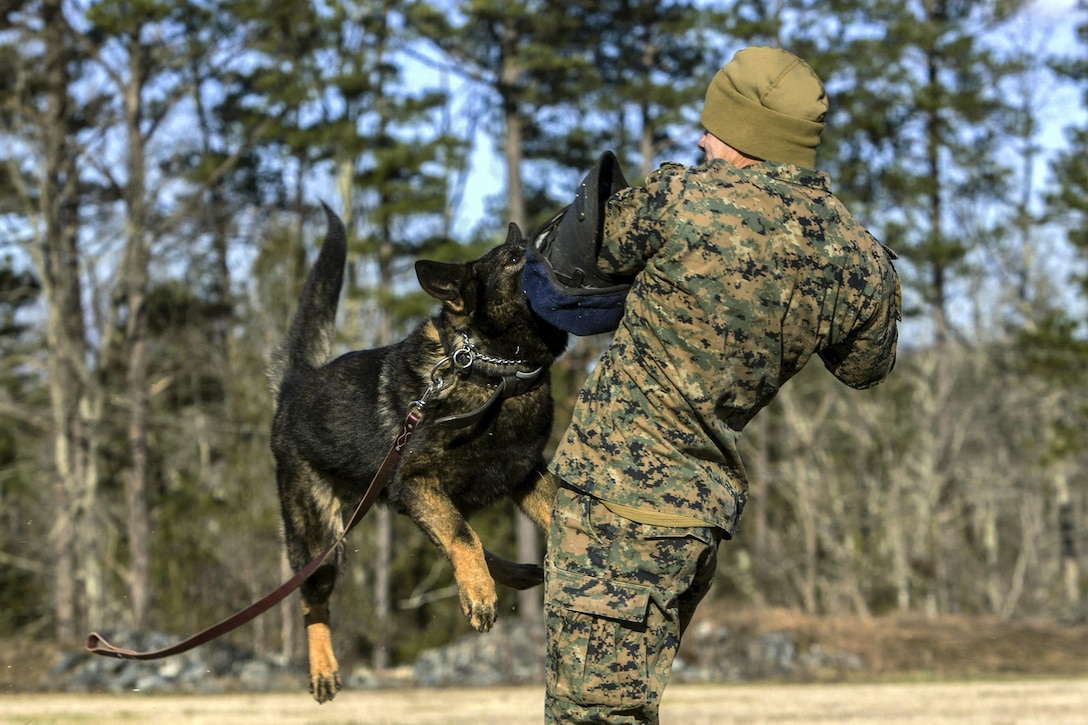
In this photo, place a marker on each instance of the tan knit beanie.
(769, 104)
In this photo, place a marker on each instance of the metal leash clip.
(436, 385)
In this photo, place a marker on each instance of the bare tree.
(42, 111)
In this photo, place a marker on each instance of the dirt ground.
(1041, 701)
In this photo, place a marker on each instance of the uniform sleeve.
(867, 354)
(635, 221)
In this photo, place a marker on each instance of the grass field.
(1051, 701)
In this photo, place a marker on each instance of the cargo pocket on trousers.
(598, 641)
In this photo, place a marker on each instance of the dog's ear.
(513, 234)
(448, 282)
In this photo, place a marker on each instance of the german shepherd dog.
(484, 360)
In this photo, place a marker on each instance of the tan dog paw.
(481, 610)
(324, 670)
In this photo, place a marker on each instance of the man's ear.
(448, 282)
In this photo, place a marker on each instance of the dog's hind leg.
(324, 669)
(433, 512)
(312, 520)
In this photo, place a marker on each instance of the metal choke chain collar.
(462, 360)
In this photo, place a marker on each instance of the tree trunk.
(756, 512)
(383, 587)
(73, 488)
(530, 606)
(383, 577)
(1067, 540)
(509, 74)
(288, 614)
(135, 285)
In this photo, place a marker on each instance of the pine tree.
(914, 144)
(655, 61)
(393, 177)
(1070, 200)
(1068, 353)
(525, 56)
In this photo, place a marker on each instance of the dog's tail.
(309, 339)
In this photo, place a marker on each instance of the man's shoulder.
(716, 169)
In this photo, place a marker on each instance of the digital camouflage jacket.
(743, 275)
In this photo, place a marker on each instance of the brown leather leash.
(97, 644)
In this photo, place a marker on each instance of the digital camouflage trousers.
(618, 597)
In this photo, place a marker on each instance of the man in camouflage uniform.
(746, 267)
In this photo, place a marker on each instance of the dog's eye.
(516, 257)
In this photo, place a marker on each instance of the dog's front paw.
(324, 685)
(481, 611)
(324, 671)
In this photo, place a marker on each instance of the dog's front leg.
(536, 496)
(433, 512)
